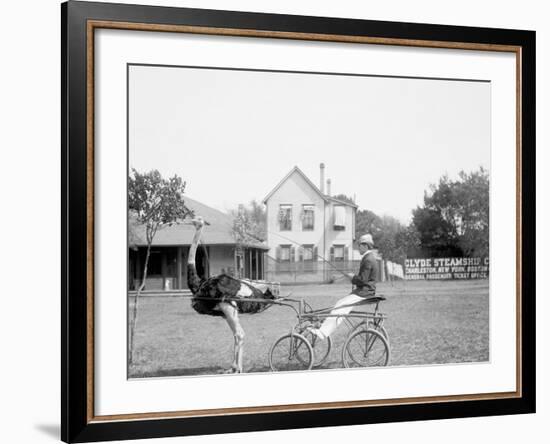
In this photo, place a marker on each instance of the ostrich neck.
(194, 245)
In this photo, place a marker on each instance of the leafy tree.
(155, 203)
(367, 221)
(473, 215)
(408, 240)
(249, 223)
(390, 236)
(437, 236)
(455, 217)
(393, 239)
(344, 198)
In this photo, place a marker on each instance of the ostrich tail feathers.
(257, 307)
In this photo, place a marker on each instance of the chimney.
(322, 187)
(328, 187)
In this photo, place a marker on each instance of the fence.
(304, 272)
(394, 271)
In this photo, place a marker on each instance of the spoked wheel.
(291, 352)
(321, 348)
(366, 348)
(373, 326)
(381, 329)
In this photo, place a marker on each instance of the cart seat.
(372, 300)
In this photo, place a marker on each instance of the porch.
(167, 266)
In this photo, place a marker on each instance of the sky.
(232, 135)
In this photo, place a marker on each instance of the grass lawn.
(429, 322)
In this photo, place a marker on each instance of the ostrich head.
(197, 222)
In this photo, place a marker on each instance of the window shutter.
(346, 253)
(290, 219)
(339, 216)
(292, 253)
(315, 255)
(278, 253)
(332, 254)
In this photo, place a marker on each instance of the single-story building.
(218, 253)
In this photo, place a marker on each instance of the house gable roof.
(342, 202)
(219, 232)
(301, 173)
(325, 197)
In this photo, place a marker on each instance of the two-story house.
(309, 232)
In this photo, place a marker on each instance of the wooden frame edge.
(285, 408)
(335, 38)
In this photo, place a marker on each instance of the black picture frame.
(77, 422)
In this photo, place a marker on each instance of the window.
(284, 253)
(171, 262)
(308, 253)
(339, 217)
(307, 258)
(339, 253)
(285, 217)
(308, 217)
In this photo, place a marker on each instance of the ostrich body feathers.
(208, 293)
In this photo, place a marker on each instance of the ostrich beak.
(193, 222)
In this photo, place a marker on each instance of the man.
(365, 286)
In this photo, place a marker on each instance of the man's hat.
(366, 239)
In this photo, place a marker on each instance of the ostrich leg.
(232, 317)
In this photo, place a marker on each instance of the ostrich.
(225, 296)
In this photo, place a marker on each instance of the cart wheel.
(366, 348)
(321, 348)
(378, 327)
(381, 329)
(291, 352)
